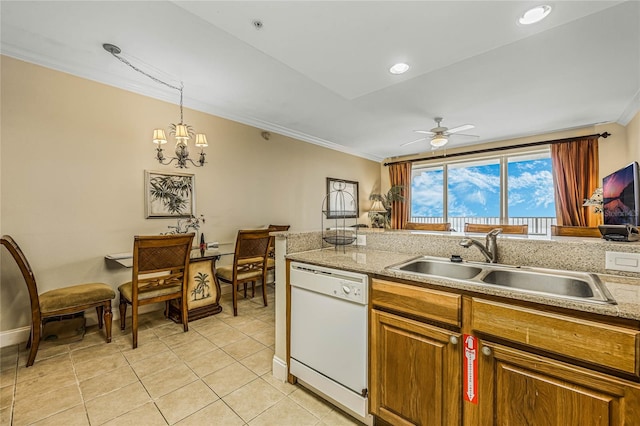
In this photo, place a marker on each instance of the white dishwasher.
(329, 334)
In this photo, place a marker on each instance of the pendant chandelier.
(181, 131)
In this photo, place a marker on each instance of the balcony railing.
(537, 225)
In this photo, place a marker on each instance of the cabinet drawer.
(602, 344)
(417, 301)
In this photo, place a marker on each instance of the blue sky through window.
(474, 188)
(530, 184)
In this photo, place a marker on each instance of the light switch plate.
(619, 261)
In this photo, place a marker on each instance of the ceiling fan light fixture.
(535, 14)
(439, 140)
(399, 68)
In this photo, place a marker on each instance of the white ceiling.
(318, 71)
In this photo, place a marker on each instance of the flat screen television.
(621, 196)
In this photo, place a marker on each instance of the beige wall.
(73, 157)
(633, 138)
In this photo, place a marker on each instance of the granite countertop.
(625, 290)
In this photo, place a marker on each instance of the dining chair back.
(160, 268)
(249, 264)
(59, 302)
(575, 231)
(271, 259)
(442, 226)
(506, 229)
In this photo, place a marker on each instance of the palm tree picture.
(202, 289)
(170, 194)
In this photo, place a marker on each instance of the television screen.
(621, 197)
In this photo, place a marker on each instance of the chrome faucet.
(490, 249)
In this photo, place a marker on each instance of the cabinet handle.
(486, 350)
(453, 340)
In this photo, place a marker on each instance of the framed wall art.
(342, 198)
(169, 194)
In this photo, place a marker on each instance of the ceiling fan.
(440, 135)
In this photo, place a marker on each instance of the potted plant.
(382, 219)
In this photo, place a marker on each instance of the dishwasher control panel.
(331, 282)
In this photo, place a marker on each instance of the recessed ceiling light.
(400, 68)
(535, 14)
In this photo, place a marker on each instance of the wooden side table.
(203, 289)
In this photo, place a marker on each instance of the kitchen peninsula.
(542, 347)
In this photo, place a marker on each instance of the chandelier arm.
(193, 162)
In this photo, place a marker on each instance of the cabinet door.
(415, 372)
(518, 388)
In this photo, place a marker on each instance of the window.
(513, 189)
(427, 192)
(474, 189)
(530, 186)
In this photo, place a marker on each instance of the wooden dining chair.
(249, 264)
(61, 301)
(575, 231)
(442, 226)
(160, 269)
(506, 229)
(271, 257)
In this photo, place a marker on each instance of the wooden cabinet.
(535, 366)
(519, 388)
(414, 366)
(597, 343)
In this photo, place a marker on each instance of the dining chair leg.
(35, 342)
(134, 325)
(253, 289)
(100, 312)
(185, 314)
(235, 300)
(123, 313)
(245, 290)
(264, 290)
(108, 320)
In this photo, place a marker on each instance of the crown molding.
(631, 110)
(100, 76)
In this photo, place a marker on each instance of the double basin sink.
(569, 285)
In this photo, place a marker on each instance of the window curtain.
(575, 168)
(400, 175)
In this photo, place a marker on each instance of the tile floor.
(218, 373)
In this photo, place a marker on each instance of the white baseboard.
(279, 369)
(14, 337)
(21, 335)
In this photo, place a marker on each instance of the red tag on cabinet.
(470, 368)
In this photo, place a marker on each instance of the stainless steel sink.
(564, 284)
(441, 268)
(576, 286)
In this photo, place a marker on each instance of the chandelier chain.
(181, 130)
(157, 80)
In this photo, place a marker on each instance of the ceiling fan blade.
(417, 140)
(426, 132)
(461, 128)
(463, 134)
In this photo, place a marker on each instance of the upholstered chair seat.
(126, 290)
(82, 294)
(226, 272)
